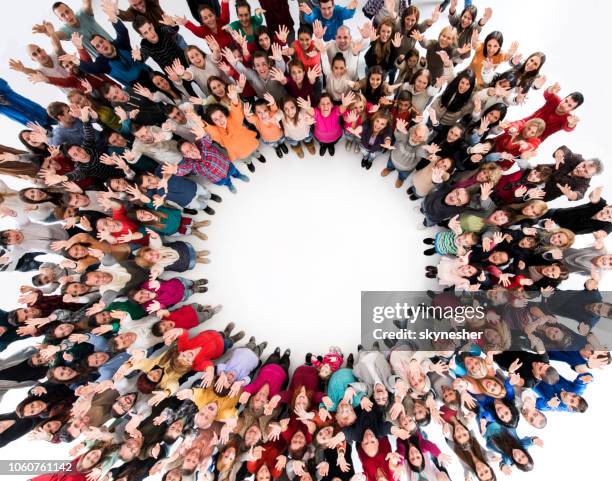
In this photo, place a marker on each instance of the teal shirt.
(338, 382)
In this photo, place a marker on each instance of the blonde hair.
(448, 30)
(539, 123)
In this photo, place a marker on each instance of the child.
(329, 363)
(356, 113)
(337, 78)
(375, 136)
(327, 130)
(452, 242)
(403, 109)
(296, 124)
(267, 122)
(374, 89)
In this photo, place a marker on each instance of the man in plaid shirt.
(206, 158)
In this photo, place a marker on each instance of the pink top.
(271, 374)
(327, 129)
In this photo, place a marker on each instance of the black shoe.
(284, 148)
(287, 353)
(276, 351)
(332, 150)
(308, 360)
(190, 211)
(322, 150)
(390, 343)
(431, 294)
(350, 360)
(200, 289)
(209, 210)
(251, 167)
(279, 152)
(201, 282)
(430, 275)
(368, 164)
(215, 198)
(261, 158)
(428, 241)
(410, 190)
(429, 252)
(363, 162)
(413, 197)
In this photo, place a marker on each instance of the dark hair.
(525, 79)
(296, 62)
(505, 442)
(106, 86)
(259, 31)
(52, 197)
(19, 410)
(578, 98)
(508, 75)
(57, 5)
(414, 442)
(210, 80)
(418, 73)
(374, 95)
(139, 21)
(40, 150)
(144, 384)
(260, 102)
(305, 28)
(205, 7)
(514, 413)
(177, 93)
(473, 11)
(494, 35)
(451, 99)
(242, 3)
(212, 108)
(338, 58)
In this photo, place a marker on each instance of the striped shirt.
(165, 50)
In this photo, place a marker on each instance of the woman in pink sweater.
(328, 120)
(264, 392)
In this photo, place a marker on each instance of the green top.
(256, 21)
(170, 225)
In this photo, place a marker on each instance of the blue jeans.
(293, 143)
(192, 256)
(232, 172)
(401, 174)
(187, 284)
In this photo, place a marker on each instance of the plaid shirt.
(212, 164)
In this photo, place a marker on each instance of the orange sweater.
(239, 141)
(479, 60)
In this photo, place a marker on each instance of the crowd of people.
(120, 361)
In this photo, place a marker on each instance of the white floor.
(294, 249)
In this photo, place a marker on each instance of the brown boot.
(385, 172)
(298, 150)
(398, 183)
(310, 147)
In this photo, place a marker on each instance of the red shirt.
(554, 121)
(127, 225)
(223, 38)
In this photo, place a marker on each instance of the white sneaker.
(217, 309)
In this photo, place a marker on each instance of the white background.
(294, 249)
